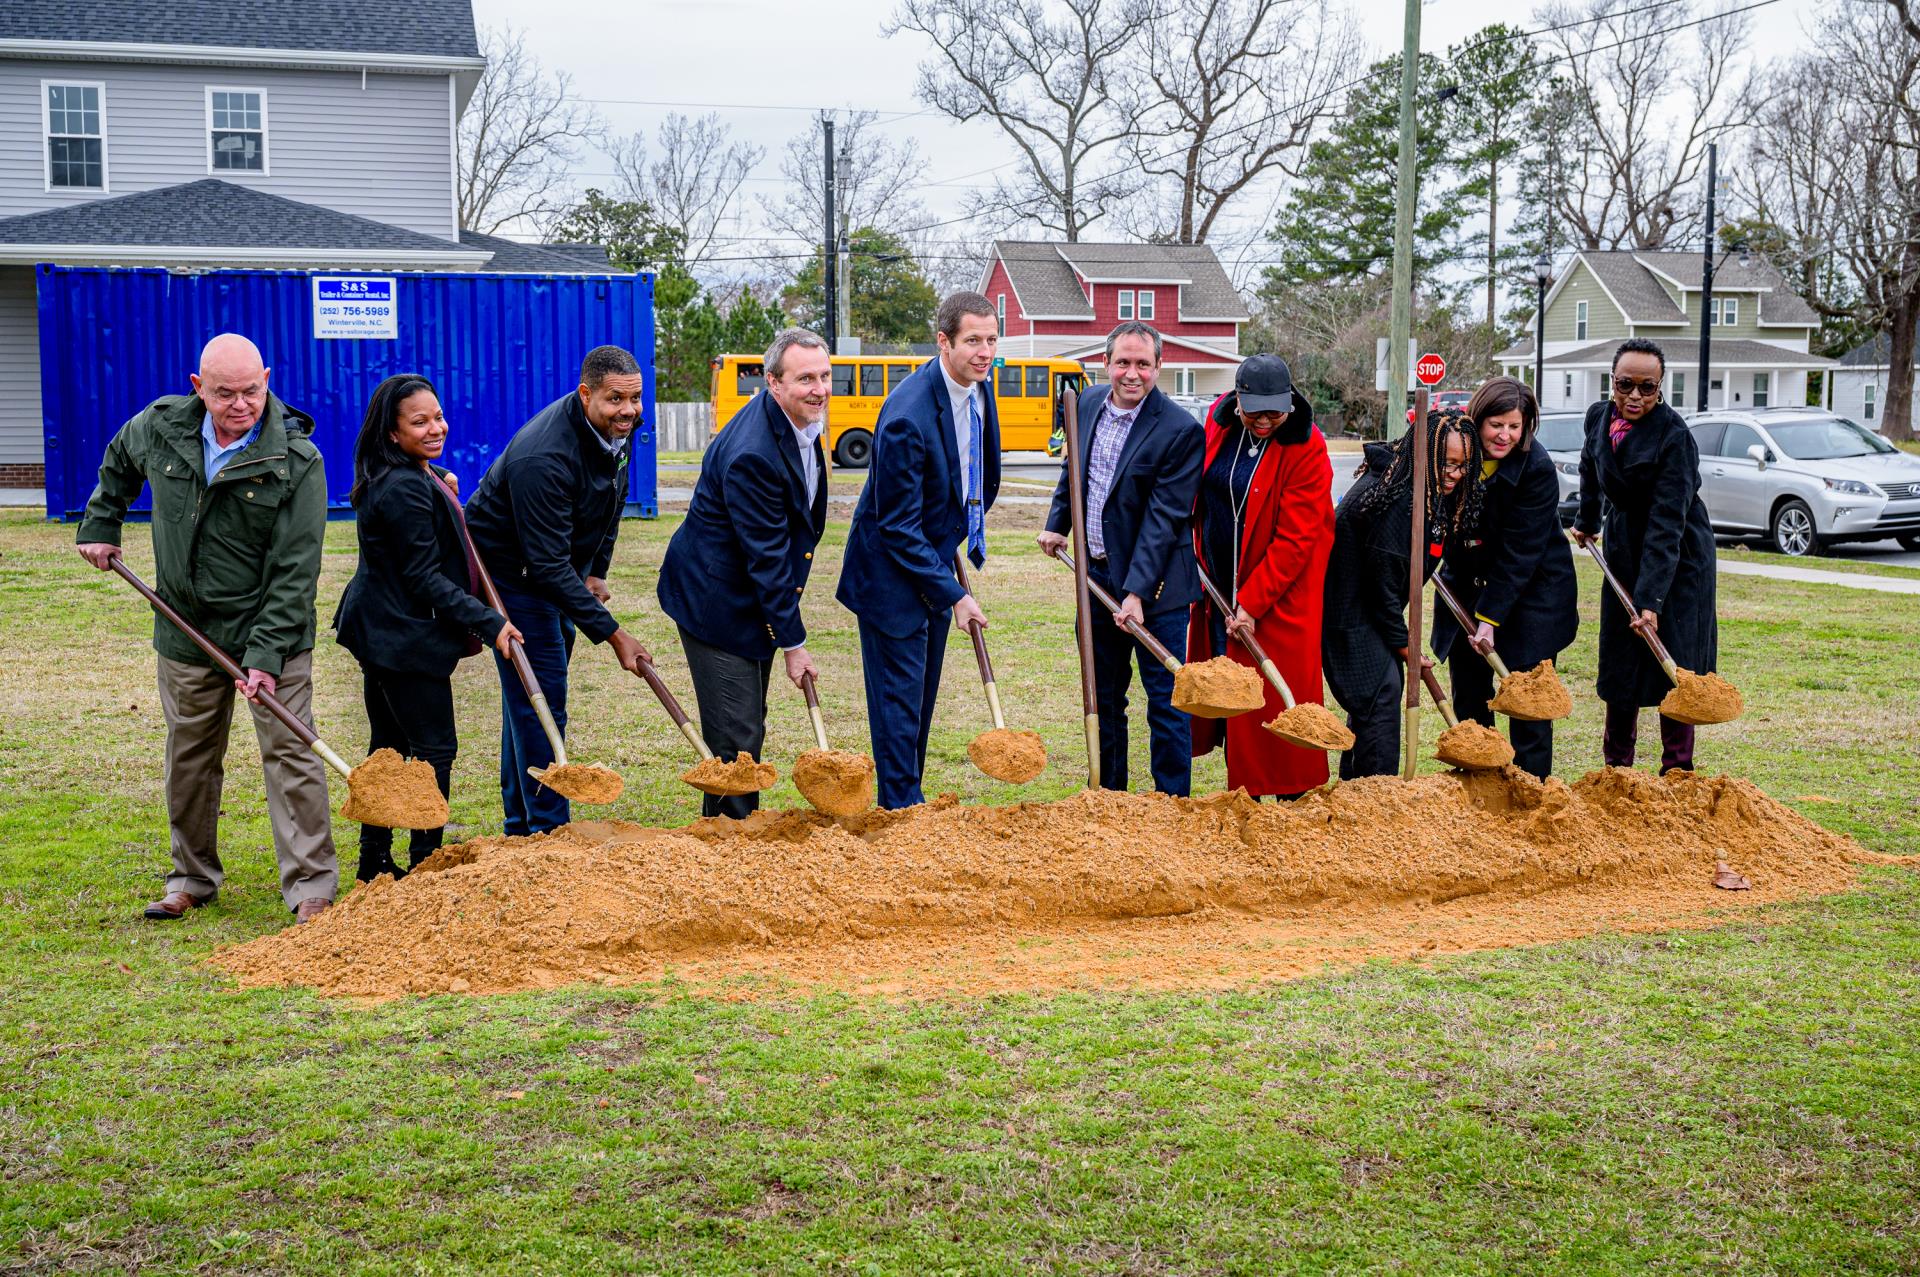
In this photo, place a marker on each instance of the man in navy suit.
(736, 569)
(1141, 457)
(935, 473)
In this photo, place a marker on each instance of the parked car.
(1563, 434)
(1804, 478)
(1444, 399)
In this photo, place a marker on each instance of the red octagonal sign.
(1431, 370)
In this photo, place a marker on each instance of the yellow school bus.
(1027, 392)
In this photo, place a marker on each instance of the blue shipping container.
(498, 347)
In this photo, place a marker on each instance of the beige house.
(1762, 331)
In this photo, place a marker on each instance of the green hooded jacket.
(239, 557)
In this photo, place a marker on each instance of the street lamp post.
(1542, 276)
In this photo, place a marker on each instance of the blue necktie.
(976, 464)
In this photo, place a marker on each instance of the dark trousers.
(903, 681)
(1376, 729)
(1472, 680)
(1169, 729)
(1622, 734)
(731, 692)
(528, 806)
(411, 714)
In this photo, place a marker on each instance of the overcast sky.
(767, 65)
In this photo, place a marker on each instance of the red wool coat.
(1284, 543)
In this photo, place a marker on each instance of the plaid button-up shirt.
(1110, 433)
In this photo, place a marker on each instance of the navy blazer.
(898, 569)
(1147, 522)
(736, 568)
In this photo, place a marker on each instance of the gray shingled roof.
(516, 258)
(1634, 287)
(212, 214)
(1684, 352)
(1781, 305)
(436, 28)
(1043, 275)
(1875, 352)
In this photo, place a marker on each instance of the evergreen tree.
(1497, 74)
(890, 298)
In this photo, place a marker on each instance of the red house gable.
(1080, 291)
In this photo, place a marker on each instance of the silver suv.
(1804, 479)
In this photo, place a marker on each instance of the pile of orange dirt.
(740, 776)
(1005, 754)
(835, 781)
(1219, 688)
(400, 793)
(1474, 747)
(1311, 724)
(1536, 694)
(1099, 890)
(1697, 698)
(580, 782)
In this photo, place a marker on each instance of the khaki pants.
(198, 702)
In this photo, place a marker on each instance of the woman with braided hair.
(1364, 639)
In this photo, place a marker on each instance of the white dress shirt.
(803, 436)
(957, 394)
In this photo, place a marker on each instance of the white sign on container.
(355, 306)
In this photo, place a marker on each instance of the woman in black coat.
(1363, 634)
(1514, 575)
(1641, 457)
(410, 612)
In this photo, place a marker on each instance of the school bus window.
(749, 379)
(843, 379)
(870, 375)
(1037, 380)
(897, 373)
(1009, 380)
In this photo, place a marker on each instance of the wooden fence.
(683, 427)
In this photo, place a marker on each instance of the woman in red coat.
(1263, 528)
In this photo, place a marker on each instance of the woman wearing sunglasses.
(1641, 457)
(1363, 641)
(1514, 575)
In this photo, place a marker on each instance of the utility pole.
(843, 169)
(1401, 328)
(1706, 280)
(830, 258)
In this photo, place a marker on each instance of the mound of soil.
(740, 776)
(1697, 698)
(1473, 747)
(1005, 754)
(1535, 694)
(580, 782)
(1313, 723)
(400, 793)
(1100, 889)
(1219, 688)
(835, 781)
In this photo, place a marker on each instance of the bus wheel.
(854, 450)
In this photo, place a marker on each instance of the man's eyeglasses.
(1625, 386)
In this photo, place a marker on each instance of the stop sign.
(1431, 370)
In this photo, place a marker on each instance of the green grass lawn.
(1737, 1100)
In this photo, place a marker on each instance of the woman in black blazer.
(411, 612)
(1640, 455)
(1514, 575)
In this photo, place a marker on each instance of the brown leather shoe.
(308, 910)
(172, 907)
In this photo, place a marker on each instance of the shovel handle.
(1440, 699)
(979, 637)
(672, 706)
(1654, 644)
(1153, 645)
(812, 694)
(1467, 626)
(1267, 667)
(308, 737)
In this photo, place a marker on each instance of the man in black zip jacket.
(544, 520)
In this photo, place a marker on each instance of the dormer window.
(1725, 311)
(76, 133)
(236, 131)
(1126, 303)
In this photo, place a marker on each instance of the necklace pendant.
(1253, 450)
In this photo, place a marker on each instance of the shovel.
(1288, 725)
(1000, 752)
(1697, 699)
(1482, 750)
(835, 781)
(1500, 670)
(1186, 696)
(395, 794)
(717, 776)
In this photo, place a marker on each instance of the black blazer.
(407, 607)
(735, 570)
(1658, 541)
(1147, 522)
(1516, 571)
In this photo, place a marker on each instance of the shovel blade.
(580, 782)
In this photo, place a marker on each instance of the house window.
(1126, 303)
(1679, 396)
(1566, 387)
(1731, 313)
(1146, 303)
(1762, 386)
(76, 136)
(1579, 321)
(236, 131)
(1866, 401)
(1000, 310)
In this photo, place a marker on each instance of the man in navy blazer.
(736, 569)
(1141, 457)
(934, 476)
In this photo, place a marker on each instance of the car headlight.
(1852, 487)
(1568, 467)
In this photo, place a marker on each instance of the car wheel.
(854, 450)
(1793, 530)
(1910, 543)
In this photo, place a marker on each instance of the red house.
(1062, 300)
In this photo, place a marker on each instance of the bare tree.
(519, 137)
(1801, 156)
(877, 192)
(1648, 86)
(1042, 71)
(1232, 90)
(695, 182)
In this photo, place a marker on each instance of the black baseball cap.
(1264, 383)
